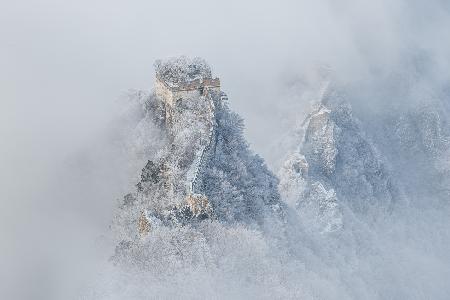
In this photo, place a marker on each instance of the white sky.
(63, 64)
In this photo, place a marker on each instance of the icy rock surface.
(206, 159)
(335, 166)
(341, 233)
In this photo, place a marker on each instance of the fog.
(65, 66)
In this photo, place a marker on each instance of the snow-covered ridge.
(205, 169)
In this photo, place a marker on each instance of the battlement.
(197, 84)
(183, 78)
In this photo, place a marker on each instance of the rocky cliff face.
(206, 217)
(335, 167)
(204, 170)
(392, 149)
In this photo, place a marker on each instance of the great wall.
(203, 91)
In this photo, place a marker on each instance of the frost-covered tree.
(204, 169)
(335, 167)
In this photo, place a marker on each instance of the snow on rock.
(182, 70)
(318, 207)
(203, 171)
(335, 166)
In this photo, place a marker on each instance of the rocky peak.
(205, 170)
(335, 165)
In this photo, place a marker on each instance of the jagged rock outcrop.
(335, 165)
(318, 207)
(205, 170)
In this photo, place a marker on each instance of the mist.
(67, 128)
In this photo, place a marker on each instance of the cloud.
(65, 64)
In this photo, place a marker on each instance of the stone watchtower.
(179, 79)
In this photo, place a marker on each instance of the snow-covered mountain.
(355, 199)
(387, 154)
(204, 169)
(335, 166)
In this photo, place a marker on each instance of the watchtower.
(178, 79)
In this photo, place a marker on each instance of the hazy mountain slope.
(391, 148)
(408, 118)
(416, 141)
(335, 166)
(339, 231)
